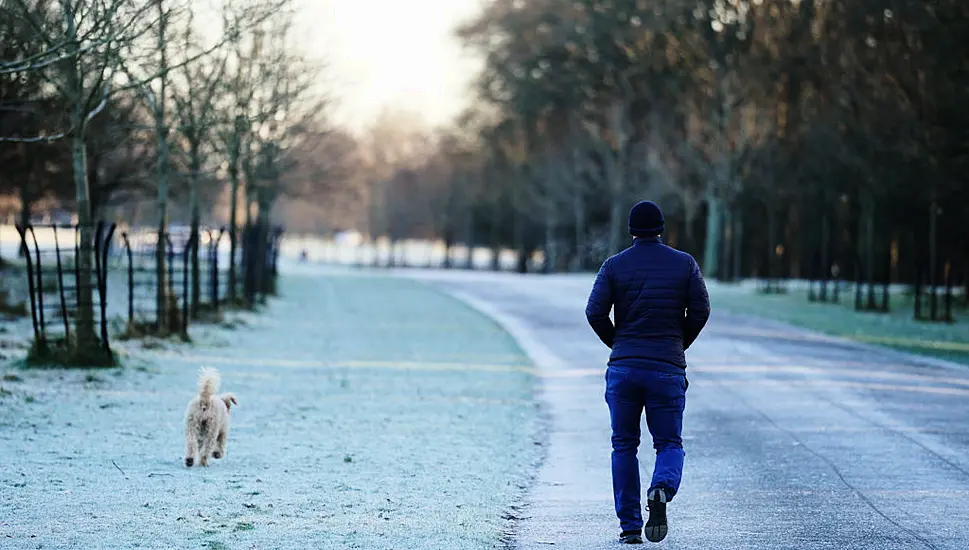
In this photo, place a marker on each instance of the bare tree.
(195, 98)
(158, 92)
(155, 93)
(235, 135)
(287, 111)
(83, 47)
(397, 141)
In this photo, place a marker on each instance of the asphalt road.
(793, 440)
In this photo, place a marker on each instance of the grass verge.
(897, 329)
(46, 355)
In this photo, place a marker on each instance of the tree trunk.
(84, 324)
(726, 243)
(235, 150)
(250, 192)
(792, 244)
(870, 251)
(551, 252)
(448, 245)
(825, 268)
(689, 235)
(260, 263)
(965, 281)
(233, 225)
(161, 273)
(933, 256)
(711, 252)
(518, 233)
(372, 215)
(25, 202)
(771, 245)
(615, 216)
(617, 176)
(249, 233)
(494, 233)
(521, 224)
(579, 216)
(523, 255)
(194, 239)
(738, 244)
(86, 336)
(161, 144)
(859, 255)
(470, 238)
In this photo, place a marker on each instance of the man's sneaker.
(656, 527)
(631, 537)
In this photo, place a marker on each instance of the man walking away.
(661, 305)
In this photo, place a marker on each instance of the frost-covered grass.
(897, 329)
(373, 413)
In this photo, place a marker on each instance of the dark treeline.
(782, 138)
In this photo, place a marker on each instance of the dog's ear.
(229, 400)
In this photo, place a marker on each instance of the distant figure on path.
(661, 305)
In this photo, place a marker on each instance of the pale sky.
(392, 53)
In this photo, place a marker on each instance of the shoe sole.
(632, 540)
(656, 533)
(656, 527)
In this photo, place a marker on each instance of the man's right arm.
(598, 307)
(697, 306)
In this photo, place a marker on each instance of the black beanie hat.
(646, 220)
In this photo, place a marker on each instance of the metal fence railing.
(196, 278)
(121, 279)
(68, 288)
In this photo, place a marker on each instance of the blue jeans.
(630, 391)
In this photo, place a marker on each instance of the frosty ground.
(377, 412)
(373, 412)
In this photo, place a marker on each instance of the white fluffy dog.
(207, 420)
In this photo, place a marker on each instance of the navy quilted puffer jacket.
(661, 304)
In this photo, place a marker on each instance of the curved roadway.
(794, 440)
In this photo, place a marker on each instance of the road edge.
(544, 361)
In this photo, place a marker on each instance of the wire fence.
(194, 277)
(67, 286)
(152, 285)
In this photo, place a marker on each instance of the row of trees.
(105, 103)
(783, 138)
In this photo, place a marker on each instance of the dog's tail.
(209, 380)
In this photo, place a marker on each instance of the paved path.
(794, 441)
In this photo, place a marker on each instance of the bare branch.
(37, 139)
(104, 102)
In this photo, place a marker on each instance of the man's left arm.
(698, 306)
(598, 307)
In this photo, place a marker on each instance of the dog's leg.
(189, 450)
(220, 441)
(205, 450)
